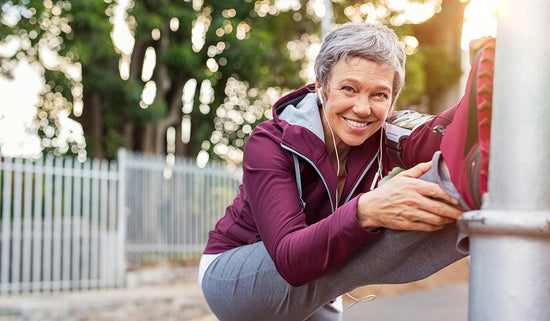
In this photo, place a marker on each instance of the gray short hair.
(364, 40)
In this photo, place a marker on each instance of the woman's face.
(357, 100)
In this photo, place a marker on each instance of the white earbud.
(319, 93)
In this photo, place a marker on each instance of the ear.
(319, 92)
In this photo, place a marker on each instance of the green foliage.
(440, 68)
(246, 40)
(115, 140)
(415, 82)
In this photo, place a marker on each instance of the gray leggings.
(243, 283)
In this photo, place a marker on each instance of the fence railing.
(59, 225)
(171, 208)
(66, 225)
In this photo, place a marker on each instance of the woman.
(308, 225)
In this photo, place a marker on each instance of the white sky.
(17, 101)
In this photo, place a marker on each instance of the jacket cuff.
(355, 233)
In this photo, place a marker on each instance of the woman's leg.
(243, 284)
(462, 133)
(465, 145)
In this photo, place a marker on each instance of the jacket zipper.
(361, 178)
(323, 178)
(316, 169)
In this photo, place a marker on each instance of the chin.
(354, 142)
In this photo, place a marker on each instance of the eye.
(348, 89)
(381, 96)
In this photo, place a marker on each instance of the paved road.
(148, 300)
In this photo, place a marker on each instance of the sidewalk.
(168, 293)
(447, 303)
(164, 294)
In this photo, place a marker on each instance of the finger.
(439, 214)
(416, 171)
(420, 226)
(436, 214)
(439, 207)
(435, 191)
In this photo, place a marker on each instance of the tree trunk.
(92, 124)
(147, 141)
(444, 30)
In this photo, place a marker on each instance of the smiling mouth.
(356, 123)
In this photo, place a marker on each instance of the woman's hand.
(408, 203)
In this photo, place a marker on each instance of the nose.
(362, 106)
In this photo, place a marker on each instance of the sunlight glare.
(212, 65)
(242, 29)
(123, 38)
(202, 159)
(480, 19)
(318, 7)
(17, 100)
(206, 93)
(121, 35)
(197, 4)
(155, 34)
(188, 95)
(287, 5)
(186, 129)
(124, 67)
(149, 63)
(198, 33)
(413, 12)
(170, 142)
(174, 24)
(148, 95)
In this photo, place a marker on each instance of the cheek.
(381, 111)
(336, 107)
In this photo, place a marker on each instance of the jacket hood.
(297, 115)
(305, 114)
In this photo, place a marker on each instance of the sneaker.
(466, 141)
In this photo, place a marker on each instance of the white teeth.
(356, 124)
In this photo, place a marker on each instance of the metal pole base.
(509, 264)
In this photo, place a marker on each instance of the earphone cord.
(380, 153)
(379, 171)
(367, 298)
(333, 142)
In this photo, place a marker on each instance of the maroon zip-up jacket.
(305, 242)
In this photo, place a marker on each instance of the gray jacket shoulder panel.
(305, 114)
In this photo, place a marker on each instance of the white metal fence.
(60, 227)
(171, 207)
(66, 225)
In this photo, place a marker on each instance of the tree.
(169, 29)
(439, 41)
(218, 67)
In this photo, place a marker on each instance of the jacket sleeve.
(302, 253)
(425, 140)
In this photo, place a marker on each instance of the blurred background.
(192, 78)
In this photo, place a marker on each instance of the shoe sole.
(484, 96)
